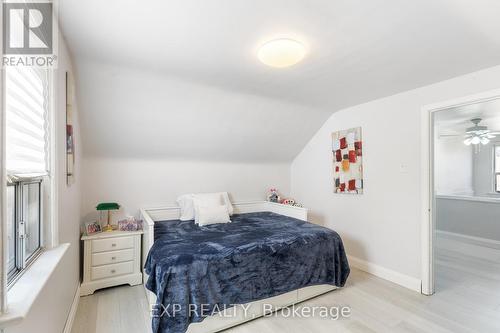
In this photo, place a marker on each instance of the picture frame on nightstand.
(92, 228)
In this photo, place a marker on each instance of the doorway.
(461, 192)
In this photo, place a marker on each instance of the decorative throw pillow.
(186, 203)
(206, 200)
(211, 214)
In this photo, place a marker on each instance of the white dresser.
(110, 259)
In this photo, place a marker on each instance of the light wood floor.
(467, 300)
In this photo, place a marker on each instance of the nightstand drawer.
(113, 257)
(108, 271)
(110, 244)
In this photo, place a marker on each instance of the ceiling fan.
(479, 134)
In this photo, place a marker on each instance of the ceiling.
(138, 114)
(357, 51)
(457, 120)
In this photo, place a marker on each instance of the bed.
(253, 261)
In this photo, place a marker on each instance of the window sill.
(25, 291)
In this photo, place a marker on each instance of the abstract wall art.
(70, 135)
(347, 149)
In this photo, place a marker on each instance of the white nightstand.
(110, 259)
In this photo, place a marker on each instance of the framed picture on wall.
(347, 149)
(70, 137)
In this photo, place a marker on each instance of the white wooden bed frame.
(220, 322)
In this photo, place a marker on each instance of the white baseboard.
(484, 242)
(386, 274)
(72, 312)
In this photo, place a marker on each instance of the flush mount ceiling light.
(281, 52)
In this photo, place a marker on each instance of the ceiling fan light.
(485, 141)
(475, 140)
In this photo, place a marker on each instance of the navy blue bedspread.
(258, 255)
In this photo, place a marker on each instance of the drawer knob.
(113, 245)
(113, 271)
(113, 258)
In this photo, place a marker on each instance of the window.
(23, 224)
(27, 137)
(496, 159)
(11, 230)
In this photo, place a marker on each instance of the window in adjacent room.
(496, 158)
(27, 147)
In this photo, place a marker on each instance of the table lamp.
(109, 206)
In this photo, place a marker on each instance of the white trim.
(25, 291)
(406, 281)
(72, 312)
(111, 234)
(494, 200)
(427, 182)
(53, 232)
(287, 210)
(473, 240)
(427, 265)
(3, 190)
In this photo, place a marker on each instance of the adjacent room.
(467, 201)
(250, 166)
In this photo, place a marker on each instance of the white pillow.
(209, 199)
(225, 198)
(186, 204)
(206, 200)
(211, 214)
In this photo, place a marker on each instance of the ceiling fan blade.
(448, 135)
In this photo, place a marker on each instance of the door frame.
(427, 179)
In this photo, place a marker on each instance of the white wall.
(150, 137)
(382, 226)
(50, 310)
(454, 166)
(135, 183)
(139, 113)
(468, 217)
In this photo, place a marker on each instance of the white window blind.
(26, 102)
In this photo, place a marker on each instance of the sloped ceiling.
(180, 79)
